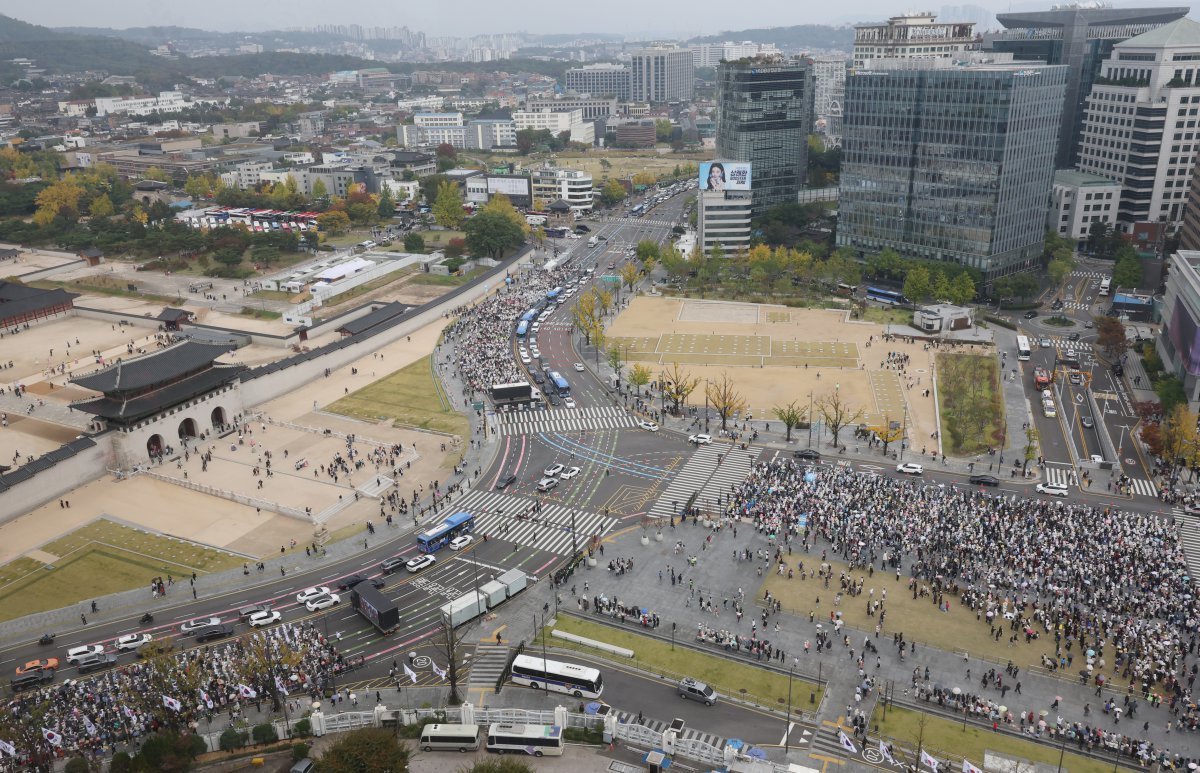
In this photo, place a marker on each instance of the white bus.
(1023, 350)
(1105, 284)
(538, 740)
(459, 738)
(539, 673)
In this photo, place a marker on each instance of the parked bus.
(537, 740)
(1023, 350)
(1105, 285)
(638, 210)
(455, 738)
(1041, 378)
(560, 383)
(553, 295)
(522, 328)
(551, 675)
(436, 538)
(885, 296)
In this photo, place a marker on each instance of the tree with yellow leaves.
(60, 199)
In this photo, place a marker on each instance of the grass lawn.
(100, 285)
(411, 396)
(726, 676)
(253, 313)
(273, 295)
(447, 281)
(881, 315)
(970, 402)
(943, 737)
(437, 239)
(953, 631)
(97, 559)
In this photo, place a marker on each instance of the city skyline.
(627, 17)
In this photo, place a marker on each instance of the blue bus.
(885, 296)
(522, 328)
(638, 210)
(560, 383)
(552, 295)
(529, 316)
(439, 536)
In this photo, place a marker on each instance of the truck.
(593, 241)
(465, 608)
(516, 392)
(1041, 378)
(514, 581)
(374, 606)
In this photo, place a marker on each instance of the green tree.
(612, 193)
(1058, 271)
(639, 376)
(169, 751)
(387, 205)
(334, 223)
(319, 191)
(367, 750)
(1128, 271)
(447, 207)
(77, 765)
(506, 765)
(647, 248)
(502, 205)
(491, 233)
(414, 242)
(962, 289)
(792, 415)
(940, 286)
(918, 284)
(1031, 446)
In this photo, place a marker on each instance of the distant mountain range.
(800, 37)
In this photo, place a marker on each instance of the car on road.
(538, 378)
(461, 542)
(693, 690)
(649, 426)
(1189, 509)
(582, 227)
(1097, 459)
(910, 468)
(191, 626)
(1087, 421)
(1029, 314)
(1052, 489)
(357, 579)
(807, 453)
(505, 481)
(700, 440)
(311, 593)
(1045, 343)
(420, 562)
(245, 613)
(569, 402)
(131, 641)
(48, 664)
(1058, 304)
(553, 470)
(525, 359)
(1076, 379)
(214, 632)
(545, 484)
(569, 473)
(89, 663)
(579, 367)
(983, 480)
(392, 564)
(31, 679)
(324, 601)
(1074, 336)
(264, 618)
(1089, 324)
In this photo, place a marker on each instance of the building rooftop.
(1179, 33)
(1081, 179)
(159, 367)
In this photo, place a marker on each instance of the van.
(366, 246)
(305, 765)
(694, 690)
(443, 737)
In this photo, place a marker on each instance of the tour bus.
(1105, 285)
(1023, 350)
(551, 675)
(537, 740)
(460, 738)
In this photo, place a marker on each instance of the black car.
(358, 579)
(393, 564)
(1030, 314)
(553, 398)
(582, 228)
(538, 378)
(806, 453)
(505, 482)
(983, 480)
(31, 679)
(214, 632)
(1073, 337)
(1087, 421)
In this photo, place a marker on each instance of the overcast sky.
(633, 18)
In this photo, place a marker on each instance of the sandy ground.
(25, 436)
(30, 262)
(765, 387)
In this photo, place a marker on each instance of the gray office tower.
(1080, 37)
(949, 161)
(764, 115)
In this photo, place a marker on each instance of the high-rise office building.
(600, 80)
(911, 36)
(1080, 36)
(829, 92)
(950, 161)
(764, 114)
(1139, 122)
(662, 74)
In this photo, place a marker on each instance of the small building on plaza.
(942, 318)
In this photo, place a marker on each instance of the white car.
(910, 468)
(131, 641)
(311, 593)
(649, 426)
(461, 541)
(1052, 489)
(75, 653)
(259, 619)
(569, 473)
(553, 470)
(700, 440)
(191, 626)
(420, 562)
(569, 402)
(579, 367)
(323, 601)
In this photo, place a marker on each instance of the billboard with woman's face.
(724, 176)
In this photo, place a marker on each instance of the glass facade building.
(764, 115)
(951, 163)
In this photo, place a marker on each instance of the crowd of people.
(115, 710)
(1104, 589)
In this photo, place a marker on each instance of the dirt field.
(776, 355)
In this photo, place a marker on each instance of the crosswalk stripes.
(549, 530)
(487, 665)
(733, 469)
(1089, 274)
(565, 420)
(1062, 476)
(1144, 487)
(659, 726)
(643, 221)
(1077, 305)
(688, 480)
(1189, 539)
(825, 741)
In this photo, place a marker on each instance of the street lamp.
(810, 417)
(706, 405)
(787, 722)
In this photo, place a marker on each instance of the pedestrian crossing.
(708, 474)
(1077, 305)
(733, 469)
(1062, 476)
(659, 726)
(644, 221)
(1189, 539)
(565, 420)
(1089, 274)
(1143, 487)
(556, 529)
(488, 664)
